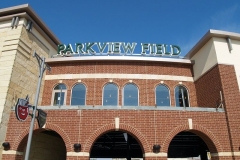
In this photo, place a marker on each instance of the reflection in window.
(59, 94)
(110, 95)
(162, 96)
(130, 93)
(181, 96)
(78, 95)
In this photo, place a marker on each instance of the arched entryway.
(47, 145)
(187, 145)
(116, 144)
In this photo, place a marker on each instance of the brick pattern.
(148, 127)
(208, 88)
(231, 97)
(77, 158)
(155, 158)
(86, 126)
(18, 70)
(13, 157)
(222, 78)
(127, 67)
(18, 157)
(94, 90)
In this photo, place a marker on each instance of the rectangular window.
(59, 98)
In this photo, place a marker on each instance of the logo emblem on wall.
(22, 109)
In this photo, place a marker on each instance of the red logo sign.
(21, 109)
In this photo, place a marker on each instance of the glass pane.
(162, 96)
(59, 98)
(110, 95)
(180, 94)
(60, 86)
(130, 95)
(78, 95)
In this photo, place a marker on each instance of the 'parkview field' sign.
(118, 48)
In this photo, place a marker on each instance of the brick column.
(231, 97)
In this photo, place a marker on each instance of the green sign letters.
(118, 48)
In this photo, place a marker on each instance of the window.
(110, 95)
(130, 95)
(59, 95)
(181, 96)
(78, 95)
(162, 96)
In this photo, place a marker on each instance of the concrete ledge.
(119, 58)
(119, 76)
(12, 152)
(167, 108)
(220, 154)
(155, 155)
(83, 154)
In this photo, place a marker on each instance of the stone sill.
(172, 108)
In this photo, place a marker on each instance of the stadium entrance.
(46, 144)
(116, 144)
(187, 145)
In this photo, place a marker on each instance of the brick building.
(144, 107)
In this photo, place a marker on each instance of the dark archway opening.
(47, 145)
(188, 145)
(116, 144)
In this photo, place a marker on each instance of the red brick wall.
(77, 158)
(231, 97)
(86, 125)
(155, 158)
(127, 67)
(208, 88)
(222, 78)
(11, 157)
(95, 90)
(148, 126)
(95, 86)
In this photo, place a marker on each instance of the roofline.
(10, 12)
(210, 34)
(118, 58)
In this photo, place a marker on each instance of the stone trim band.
(120, 76)
(13, 152)
(82, 154)
(162, 154)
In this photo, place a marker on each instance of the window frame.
(187, 95)
(169, 95)
(58, 91)
(117, 94)
(123, 93)
(85, 96)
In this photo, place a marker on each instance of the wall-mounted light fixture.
(29, 25)
(229, 44)
(156, 148)
(15, 21)
(77, 147)
(6, 145)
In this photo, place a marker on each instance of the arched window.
(181, 96)
(59, 95)
(130, 95)
(110, 95)
(78, 94)
(162, 96)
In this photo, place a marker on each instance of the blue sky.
(178, 22)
